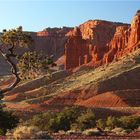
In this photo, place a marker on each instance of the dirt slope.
(112, 85)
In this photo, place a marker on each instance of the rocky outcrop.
(77, 50)
(134, 30)
(101, 41)
(51, 41)
(117, 45)
(95, 41)
(125, 40)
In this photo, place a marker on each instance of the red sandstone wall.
(101, 42)
(51, 41)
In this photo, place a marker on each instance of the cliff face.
(95, 41)
(76, 50)
(101, 42)
(51, 41)
(117, 45)
(134, 31)
(125, 40)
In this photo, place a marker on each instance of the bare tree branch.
(13, 70)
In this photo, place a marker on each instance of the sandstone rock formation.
(51, 41)
(95, 41)
(101, 42)
(77, 51)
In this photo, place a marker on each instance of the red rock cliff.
(134, 31)
(101, 42)
(77, 50)
(51, 41)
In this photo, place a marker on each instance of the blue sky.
(35, 15)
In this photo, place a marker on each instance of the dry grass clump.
(92, 132)
(119, 131)
(27, 132)
(24, 132)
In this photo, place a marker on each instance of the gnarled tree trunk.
(8, 57)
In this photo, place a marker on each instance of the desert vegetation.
(10, 40)
(23, 66)
(74, 120)
(32, 64)
(7, 121)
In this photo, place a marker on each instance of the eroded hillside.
(112, 85)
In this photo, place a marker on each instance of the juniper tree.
(32, 64)
(10, 40)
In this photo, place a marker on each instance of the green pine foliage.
(111, 122)
(129, 122)
(84, 121)
(16, 37)
(101, 123)
(32, 64)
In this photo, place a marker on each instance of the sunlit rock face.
(95, 42)
(134, 30)
(76, 50)
(101, 42)
(51, 41)
(125, 40)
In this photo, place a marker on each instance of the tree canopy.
(10, 40)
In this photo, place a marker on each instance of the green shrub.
(41, 120)
(129, 122)
(63, 120)
(111, 122)
(1, 132)
(84, 121)
(100, 123)
(32, 64)
(7, 121)
(55, 122)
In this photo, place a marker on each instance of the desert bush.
(100, 123)
(1, 132)
(41, 120)
(75, 119)
(75, 126)
(32, 64)
(63, 120)
(7, 121)
(84, 121)
(54, 122)
(28, 132)
(129, 122)
(24, 132)
(111, 122)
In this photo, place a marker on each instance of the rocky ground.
(108, 89)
